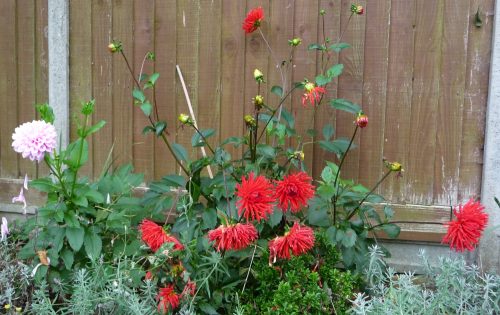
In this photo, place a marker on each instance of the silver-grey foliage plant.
(453, 287)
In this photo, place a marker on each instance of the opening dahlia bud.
(322, 12)
(393, 166)
(362, 120)
(358, 9)
(258, 76)
(183, 118)
(295, 42)
(299, 155)
(114, 47)
(309, 86)
(258, 101)
(250, 121)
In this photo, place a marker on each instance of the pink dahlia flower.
(33, 139)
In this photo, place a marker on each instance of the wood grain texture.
(451, 101)
(165, 42)
(233, 60)
(426, 79)
(122, 84)
(188, 33)
(143, 145)
(475, 99)
(80, 75)
(350, 84)
(376, 58)
(305, 26)
(9, 166)
(26, 73)
(325, 114)
(399, 93)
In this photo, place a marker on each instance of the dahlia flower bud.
(34, 139)
(309, 86)
(258, 76)
(358, 9)
(393, 166)
(322, 12)
(362, 120)
(295, 42)
(299, 155)
(258, 101)
(114, 47)
(185, 119)
(250, 121)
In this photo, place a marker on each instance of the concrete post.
(489, 250)
(58, 44)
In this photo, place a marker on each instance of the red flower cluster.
(299, 240)
(312, 94)
(253, 20)
(464, 232)
(155, 236)
(167, 299)
(294, 191)
(234, 237)
(256, 197)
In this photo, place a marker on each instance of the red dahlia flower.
(362, 120)
(155, 236)
(253, 20)
(299, 240)
(234, 237)
(256, 197)
(189, 288)
(167, 299)
(464, 232)
(294, 191)
(312, 93)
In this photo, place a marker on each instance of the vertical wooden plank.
(279, 29)
(143, 146)
(26, 72)
(233, 60)
(451, 100)
(399, 94)
(376, 62)
(475, 99)
(41, 62)
(419, 177)
(350, 84)
(188, 35)
(209, 65)
(256, 57)
(306, 27)
(165, 51)
(325, 113)
(122, 101)
(9, 167)
(101, 82)
(80, 66)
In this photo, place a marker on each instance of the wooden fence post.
(58, 44)
(489, 251)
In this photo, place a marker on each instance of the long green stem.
(57, 174)
(353, 212)
(130, 69)
(80, 153)
(338, 172)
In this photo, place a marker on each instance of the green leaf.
(138, 95)
(75, 158)
(80, 200)
(147, 108)
(326, 191)
(338, 47)
(266, 150)
(328, 131)
(317, 213)
(46, 112)
(275, 217)
(316, 47)
(323, 80)
(95, 127)
(392, 230)
(388, 212)
(208, 309)
(197, 139)
(331, 234)
(235, 141)
(148, 129)
(160, 127)
(174, 180)
(209, 217)
(75, 237)
(152, 79)
(277, 90)
(93, 244)
(44, 184)
(345, 105)
(94, 196)
(342, 144)
(327, 175)
(68, 258)
(335, 71)
(180, 152)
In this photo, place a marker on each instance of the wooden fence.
(419, 68)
